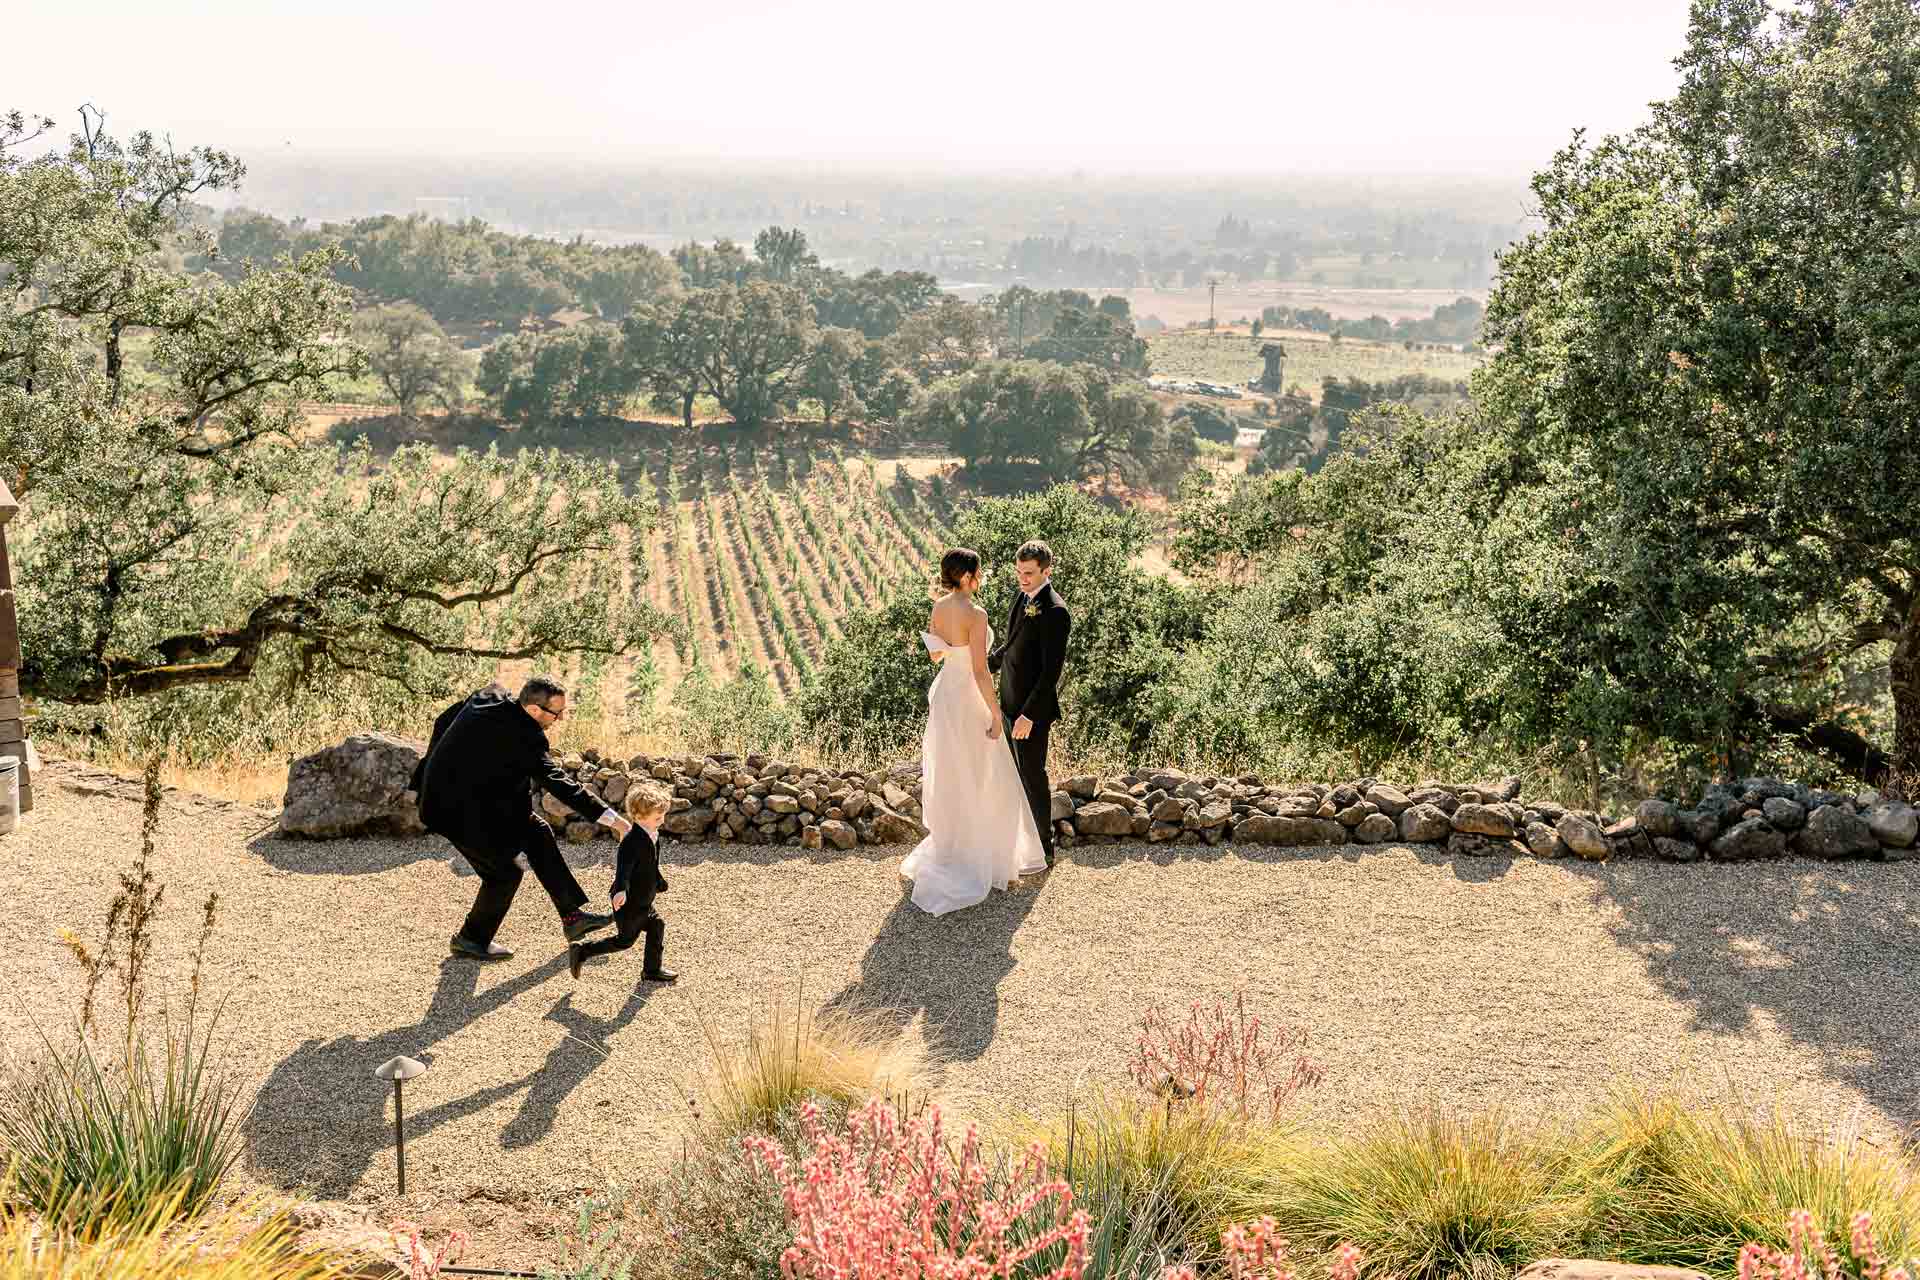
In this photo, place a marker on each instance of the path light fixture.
(400, 1070)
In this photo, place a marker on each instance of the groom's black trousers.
(1030, 759)
(500, 880)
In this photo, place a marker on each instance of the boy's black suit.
(1028, 661)
(637, 874)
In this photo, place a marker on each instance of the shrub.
(886, 1198)
(1222, 1059)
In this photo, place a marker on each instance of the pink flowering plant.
(1222, 1056)
(1808, 1256)
(890, 1199)
(422, 1262)
(1256, 1251)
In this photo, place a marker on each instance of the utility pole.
(1212, 284)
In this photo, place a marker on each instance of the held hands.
(620, 826)
(1021, 728)
(619, 899)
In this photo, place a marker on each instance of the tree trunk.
(686, 408)
(1904, 669)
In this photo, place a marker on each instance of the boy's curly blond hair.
(644, 798)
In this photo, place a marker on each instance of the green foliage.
(1128, 633)
(740, 715)
(1055, 422)
(1703, 342)
(577, 372)
(463, 274)
(410, 354)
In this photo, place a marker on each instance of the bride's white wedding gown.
(981, 834)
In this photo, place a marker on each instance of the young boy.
(636, 878)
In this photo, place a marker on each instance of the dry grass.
(248, 1241)
(793, 1050)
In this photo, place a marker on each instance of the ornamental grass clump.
(793, 1053)
(108, 1128)
(1691, 1187)
(890, 1199)
(237, 1243)
(1428, 1195)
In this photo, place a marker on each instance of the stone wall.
(759, 799)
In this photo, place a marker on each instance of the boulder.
(1833, 832)
(1376, 828)
(1211, 816)
(692, 821)
(1259, 828)
(809, 837)
(1544, 841)
(783, 804)
(1894, 825)
(1084, 787)
(1674, 849)
(1590, 1269)
(1425, 824)
(356, 788)
(1161, 832)
(1783, 814)
(1062, 806)
(1485, 820)
(1389, 800)
(1170, 810)
(857, 803)
(1472, 844)
(1748, 840)
(890, 826)
(1583, 837)
(1657, 817)
(838, 834)
(1354, 814)
(1697, 825)
(1103, 818)
(580, 831)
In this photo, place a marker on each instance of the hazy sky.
(1426, 86)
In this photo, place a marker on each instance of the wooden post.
(13, 734)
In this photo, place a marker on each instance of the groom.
(1029, 662)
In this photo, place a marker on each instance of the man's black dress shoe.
(660, 975)
(576, 956)
(584, 923)
(492, 951)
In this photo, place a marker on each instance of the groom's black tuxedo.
(1028, 662)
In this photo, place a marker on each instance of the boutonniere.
(1033, 611)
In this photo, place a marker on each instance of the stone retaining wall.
(759, 799)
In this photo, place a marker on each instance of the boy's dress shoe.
(576, 956)
(660, 975)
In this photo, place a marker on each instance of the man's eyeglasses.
(555, 713)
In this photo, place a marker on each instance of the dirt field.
(1528, 984)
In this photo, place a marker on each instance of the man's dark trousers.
(1030, 760)
(500, 880)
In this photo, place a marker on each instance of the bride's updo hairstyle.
(957, 564)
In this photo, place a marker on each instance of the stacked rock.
(360, 787)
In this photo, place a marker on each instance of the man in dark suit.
(1028, 660)
(476, 787)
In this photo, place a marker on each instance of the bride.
(981, 829)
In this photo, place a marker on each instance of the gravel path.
(1533, 984)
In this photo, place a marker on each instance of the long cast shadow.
(948, 968)
(300, 1132)
(1829, 952)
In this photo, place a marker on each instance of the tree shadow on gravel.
(375, 855)
(320, 1120)
(947, 967)
(1829, 953)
